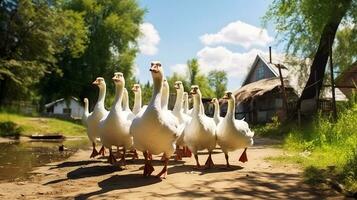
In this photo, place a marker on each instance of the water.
(17, 158)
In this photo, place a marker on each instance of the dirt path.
(83, 178)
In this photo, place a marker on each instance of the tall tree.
(113, 29)
(310, 27)
(218, 81)
(32, 33)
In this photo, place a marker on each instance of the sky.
(221, 34)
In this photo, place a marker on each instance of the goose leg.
(187, 152)
(209, 163)
(163, 157)
(243, 158)
(197, 162)
(102, 151)
(111, 158)
(163, 172)
(226, 156)
(179, 154)
(123, 157)
(135, 154)
(148, 168)
(94, 152)
(118, 152)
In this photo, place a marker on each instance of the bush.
(9, 128)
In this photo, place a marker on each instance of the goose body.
(217, 114)
(233, 134)
(115, 127)
(200, 133)
(99, 112)
(153, 132)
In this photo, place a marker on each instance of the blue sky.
(225, 34)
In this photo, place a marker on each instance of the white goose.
(115, 127)
(183, 119)
(154, 132)
(137, 108)
(185, 103)
(99, 112)
(200, 134)
(165, 94)
(217, 113)
(125, 103)
(86, 112)
(233, 134)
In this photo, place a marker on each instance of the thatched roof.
(258, 88)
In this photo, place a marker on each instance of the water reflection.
(18, 158)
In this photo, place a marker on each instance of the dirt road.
(82, 178)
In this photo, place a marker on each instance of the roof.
(258, 88)
(59, 100)
(348, 80)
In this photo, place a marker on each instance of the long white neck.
(165, 98)
(118, 98)
(126, 101)
(231, 110)
(101, 97)
(217, 113)
(185, 105)
(86, 107)
(197, 105)
(156, 94)
(137, 102)
(179, 101)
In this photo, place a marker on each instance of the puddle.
(18, 158)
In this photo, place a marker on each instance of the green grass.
(328, 149)
(33, 125)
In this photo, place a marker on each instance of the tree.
(218, 81)
(193, 70)
(113, 27)
(146, 93)
(32, 33)
(309, 27)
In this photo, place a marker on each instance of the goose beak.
(115, 79)
(95, 82)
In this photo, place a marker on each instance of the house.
(260, 98)
(65, 108)
(347, 81)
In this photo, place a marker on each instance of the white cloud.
(238, 33)
(136, 70)
(235, 64)
(181, 69)
(149, 39)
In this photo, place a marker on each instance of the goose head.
(185, 95)
(178, 86)
(156, 70)
(195, 91)
(214, 101)
(118, 79)
(165, 85)
(228, 96)
(99, 81)
(136, 88)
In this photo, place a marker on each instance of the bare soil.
(82, 178)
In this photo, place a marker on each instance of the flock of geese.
(154, 129)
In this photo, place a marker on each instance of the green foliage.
(113, 27)
(32, 33)
(9, 128)
(326, 143)
(218, 80)
(300, 24)
(146, 93)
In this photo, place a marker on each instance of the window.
(66, 111)
(260, 72)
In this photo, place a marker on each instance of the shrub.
(9, 128)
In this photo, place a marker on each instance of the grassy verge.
(326, 150)
(33, 125)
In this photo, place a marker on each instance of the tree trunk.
(317, 70)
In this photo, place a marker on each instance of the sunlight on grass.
(33, 125)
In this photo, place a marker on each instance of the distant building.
(347, 81)
(260, 97)
(65, 108)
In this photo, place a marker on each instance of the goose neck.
(137, 101)
(156, 95)
(216, 110)
(101, 97)
(179, 101)
(231, 110)
(118, 98)
(197, 105)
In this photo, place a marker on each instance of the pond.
(18, 158)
